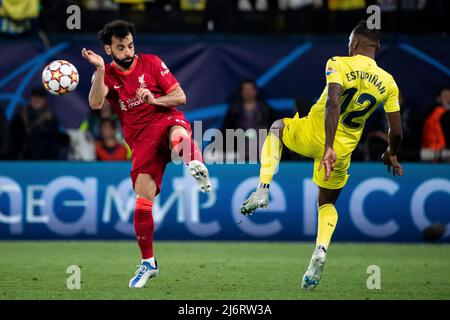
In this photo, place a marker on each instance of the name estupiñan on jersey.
(363, 75)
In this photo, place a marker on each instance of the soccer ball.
(60, 77)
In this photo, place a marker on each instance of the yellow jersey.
(365, 87)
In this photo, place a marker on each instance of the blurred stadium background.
(57, 184)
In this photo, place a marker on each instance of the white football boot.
(258, 199)
(200, 173)
(144, 272)
(313, 274)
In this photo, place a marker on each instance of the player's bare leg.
(181, 142)
(145, 188)
(270, 159)
(326, 225)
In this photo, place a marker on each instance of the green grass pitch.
(222, 270)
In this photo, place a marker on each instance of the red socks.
(185, 147)
(144, 226)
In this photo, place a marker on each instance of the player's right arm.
(335, 87)
(392, 108)
(332, 114)
(99, 90)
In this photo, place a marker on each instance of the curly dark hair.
(116, 28)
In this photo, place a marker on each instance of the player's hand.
(328, 160)
(146, 95)
(93, 58)
(390, 160)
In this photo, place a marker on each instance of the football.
(60, 77)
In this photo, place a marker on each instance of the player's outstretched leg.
(327, 223)
(145, 188)
(183, 145)
(270, 159)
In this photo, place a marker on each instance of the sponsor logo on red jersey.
(135, 101)
(166, 71)
(130, 103)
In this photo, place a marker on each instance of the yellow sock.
(270, 158)
(328, 217)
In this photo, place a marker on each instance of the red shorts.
(150, 149)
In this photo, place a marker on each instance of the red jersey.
(147, 71)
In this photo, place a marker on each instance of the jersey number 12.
(347, 119)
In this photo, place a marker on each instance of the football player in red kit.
(144, 95)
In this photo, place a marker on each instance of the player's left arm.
(175, 97)
(395, 133)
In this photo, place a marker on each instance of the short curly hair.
(116, 28)
(371, 34)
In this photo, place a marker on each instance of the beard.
(124, 63)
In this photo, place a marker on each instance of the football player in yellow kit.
(355, 87)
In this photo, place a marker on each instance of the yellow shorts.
(306, 136)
